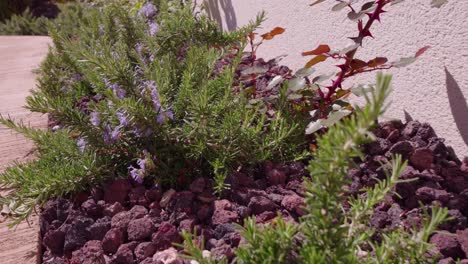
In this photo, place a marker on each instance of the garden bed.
(126, 222)
(168, 141)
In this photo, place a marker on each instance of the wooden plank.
(19, 55)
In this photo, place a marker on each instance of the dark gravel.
(124, 222)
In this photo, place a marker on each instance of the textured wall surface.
(434, 89)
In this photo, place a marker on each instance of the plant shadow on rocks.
(458, 105)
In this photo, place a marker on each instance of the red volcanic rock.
(198, 185)
(112, 240)
(276, 177)
(462, 238)
(112, 209)
(99, 229)
(223, 213)
(140, 229)
(260, 204)
(422, 158)
(54, 241)
(121, 220)
(137, 196)
(404, 148)
(294, 203)
(165, 236)
(145, 250)
(117, 191)
(90, 253)
(447, 245)
(124, 254)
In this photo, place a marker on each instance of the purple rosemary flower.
(154, 94)
(138, 70)
(65, 88)
(163, 116)
(81, 143)
(148, 132)
(170, 114)
(119, 92)
(148, 10)
(115, 55)
(153, 28)
(107, 135)
(135, 174)
(122, 118)
(95, 120)
(116, 133)
(137, 131)
(151, 58)
(77, 77)
(141, 163)
(139, 49)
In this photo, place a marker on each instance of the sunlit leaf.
(322, 78)
(349, 48)
(273, 33)
(321, 49)
(316, 60)
(334, 117)
(355, 16)
(313, 126)
(377, 62)
(317, 2)
(438, 3)
(276, 80)
(295, 96)
(403, 62)
(313, 113)
(314, 87)
(339, 6)
(422, 50)
(394, 2)
(368, 7)
(304, 72)
(255, 70)
(296, 84)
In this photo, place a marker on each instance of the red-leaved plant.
(326, 105)
(308, 95)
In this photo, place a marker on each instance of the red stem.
(350, 55)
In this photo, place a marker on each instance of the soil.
(124, 222)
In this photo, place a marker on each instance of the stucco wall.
(434, 89)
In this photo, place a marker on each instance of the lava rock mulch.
(124, 222)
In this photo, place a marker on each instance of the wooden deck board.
(19, 55)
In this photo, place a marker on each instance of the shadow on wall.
(458, 105)
(214, 8)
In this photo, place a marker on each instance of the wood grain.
(19, 56)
